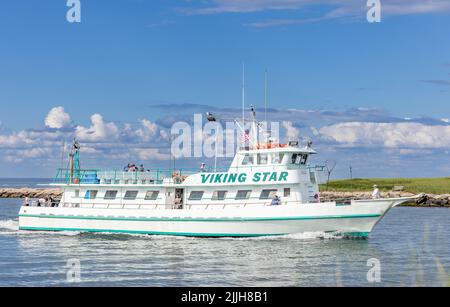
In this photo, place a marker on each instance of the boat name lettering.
(235, 177)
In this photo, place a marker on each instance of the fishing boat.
(270, 189)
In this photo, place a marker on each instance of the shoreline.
(431, 200)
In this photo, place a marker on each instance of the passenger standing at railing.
(26, 202)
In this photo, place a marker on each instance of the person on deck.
(316, 197)
(203, 167)
(276, 201)
(376, 192)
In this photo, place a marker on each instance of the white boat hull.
(355, 219)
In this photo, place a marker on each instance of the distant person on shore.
(376, 192)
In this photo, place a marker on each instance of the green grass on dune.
(413, 185)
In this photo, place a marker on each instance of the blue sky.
(128, 56)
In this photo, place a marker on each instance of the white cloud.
(292, 133)
(98, 131)
(397, 7)
(337, 9)
(16, 139)
(147, 131)
(151, 154)
(391, 135)
(57, 118)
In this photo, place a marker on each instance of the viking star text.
(235, 177)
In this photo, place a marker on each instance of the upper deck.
(108, 177)
(251, 160)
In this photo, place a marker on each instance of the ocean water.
(411, 247)
(24, 182)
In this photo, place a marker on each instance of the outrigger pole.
(74, 162)
(243, 94)
(212, 118)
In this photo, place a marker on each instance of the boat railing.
(95, 176)
(69, 204)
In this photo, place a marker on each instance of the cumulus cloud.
(15, 140)
(147, 131)
(340, 134)
(98, 131)
(292, 133)
(391, 135)
(101, 139)
(146, 154)
(57, 118)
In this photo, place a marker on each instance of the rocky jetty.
(30, 193)
(429, 200)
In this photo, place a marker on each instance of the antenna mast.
(265, 97)
(265, 107)
(243, 95)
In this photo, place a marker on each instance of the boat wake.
(295, 236)
(9, 225)
(12, 227)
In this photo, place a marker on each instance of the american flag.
(246, 136)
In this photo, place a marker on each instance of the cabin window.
(277, 158)
(287, 192)
(110, 194)
(268, 194)
(196, 195)
(219, 195)
(262, 159)
(299, 159)
(248, 159)
(151, 195)
(130, 195)
(90, 194)
(243, 194)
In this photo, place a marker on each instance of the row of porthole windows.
(240, 194)
(112, 195)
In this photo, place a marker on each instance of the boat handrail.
(97, 176)
(157, 205)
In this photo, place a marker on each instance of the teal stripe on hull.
(181, 234)
(100, 218)
(356, 234)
